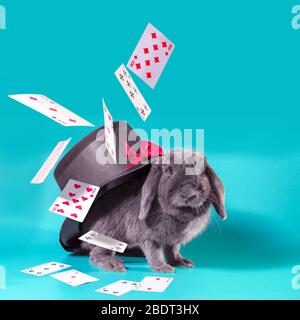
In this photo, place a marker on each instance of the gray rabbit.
(157, 213)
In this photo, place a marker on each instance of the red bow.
(147, 151)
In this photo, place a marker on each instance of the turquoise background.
(234, 72)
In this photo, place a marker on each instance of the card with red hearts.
(73, 277)
(75, 200)
(151, 55)
(51, 109)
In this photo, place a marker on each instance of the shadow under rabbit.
(248, 241)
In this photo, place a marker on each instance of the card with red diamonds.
(75, 200)
(151, 55)
(51, 109)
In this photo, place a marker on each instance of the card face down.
(151, 55)
(46, 268)
(75, 200)
(73, 277)
(103, 241)
(51, 109)
(133, 92)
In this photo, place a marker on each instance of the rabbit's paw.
(163, 268)
(109, 263)
(183, 262)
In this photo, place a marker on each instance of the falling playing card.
(51, 109)
(154, 284)
(73, 277)
(110, 139)
(151, 55)
(103, 241)
(75, 200)
(50, 162)
(46, 268)
(133, 92)
(119, 288)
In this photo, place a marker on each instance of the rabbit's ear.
(149, 190)
(217, 195)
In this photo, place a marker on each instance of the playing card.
(46, 268)
(118, 288)
(73, 277)
(75, 200)
(103, 241)
(133, 92)
(154, 284)
(110, 139)
(50, 162)
(51, 109)
(151, 55)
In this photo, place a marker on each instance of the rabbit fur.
(157, 213)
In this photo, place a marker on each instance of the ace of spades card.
(151, 55)
(75, 200)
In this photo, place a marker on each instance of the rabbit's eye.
(190, 185)
(200, 188)
(169, 170)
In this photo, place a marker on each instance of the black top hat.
(87, 162)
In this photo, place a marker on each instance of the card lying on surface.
(110, 139)
(151, 55)
(50, 162)
(118, 288)
(103, 241)
(73, 277)
(154, 284)
(75, 200)
(46, 268)
(51, 109)
(133, 92)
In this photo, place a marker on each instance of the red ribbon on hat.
(147, 150)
